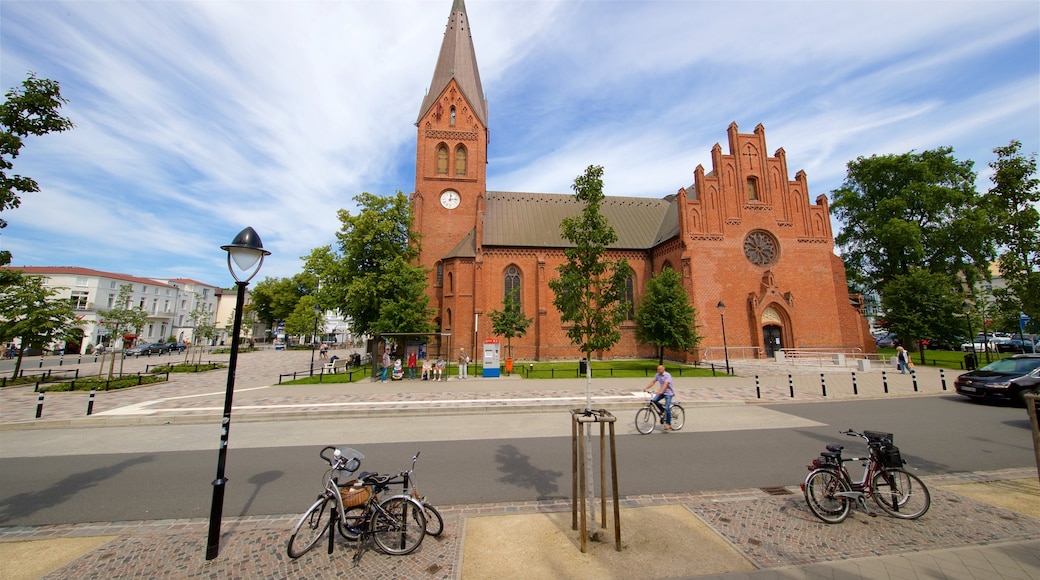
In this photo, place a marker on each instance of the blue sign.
(1022, 320)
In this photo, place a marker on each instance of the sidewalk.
(980, 526)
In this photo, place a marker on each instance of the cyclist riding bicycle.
(664, 378)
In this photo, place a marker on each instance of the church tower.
(450, 177)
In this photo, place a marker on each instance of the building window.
(112, 284)
(752, 189)
(761, 248)
(442, 159)
(440, 274)
(452, 120)
(448, 312)
(630, 299)
(111, 301)
(79, 299)
(81, 281)
(451, 283)
(512, 284)
(460, 160)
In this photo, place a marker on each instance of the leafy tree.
(920, 305)
(915, 210)
(29, 110)
(275, 299)
(202, 321)
(1012, 203)
(665, 317)
(510, 322)
(124, 317)
(303, 320)
(373, 279)
(29, 313)
(590, 290)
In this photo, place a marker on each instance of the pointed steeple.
(457, 61)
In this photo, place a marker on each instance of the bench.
(336, 366)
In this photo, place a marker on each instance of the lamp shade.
(721, 306)
(246, 250)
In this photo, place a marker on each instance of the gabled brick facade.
(744, 233)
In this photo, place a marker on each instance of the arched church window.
(460, 160)
(630, 299)
(440, 274)
(667, 265)
(442, 159)
(752, 188)
(453, 116)
(512, 284)
(451, 283)
(448, 313)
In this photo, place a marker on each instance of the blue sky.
(196, 119)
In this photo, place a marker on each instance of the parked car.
(148, 348)
(1015, 345)
(996, 381)
(888, 341)
(1022, 385)
(177, 346)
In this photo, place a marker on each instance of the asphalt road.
(151, 472)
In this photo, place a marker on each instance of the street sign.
(1023, 319)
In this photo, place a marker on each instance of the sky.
(195, 119)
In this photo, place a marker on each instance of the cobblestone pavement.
(959, 537)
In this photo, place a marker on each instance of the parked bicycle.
(397, 524)
(649, 416)
(830, 491)
(434, 521)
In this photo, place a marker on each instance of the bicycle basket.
(355, 495)
(889, 456)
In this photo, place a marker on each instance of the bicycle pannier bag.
(355, 495)
(889, 456)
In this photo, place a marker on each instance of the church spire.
(457, 61)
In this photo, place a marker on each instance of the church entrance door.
(771, 339)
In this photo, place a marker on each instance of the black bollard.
(758, 390)
(855, 389)
(790, 384)
(884, 380)
(823, 384)
(942, 377)
(39, 406)
(913, 377)
(90, 403)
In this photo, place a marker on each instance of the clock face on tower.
(450, 199)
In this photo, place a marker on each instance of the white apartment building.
(169, 303)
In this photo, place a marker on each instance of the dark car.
(1015, 345)
(148, 348)
(995, 381)
(1022, 385)
(176, 346)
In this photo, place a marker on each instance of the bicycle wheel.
(310, 528)
(646, 420)
(434, 521)
(901, 494)
(353, 523)
(821, 488)
(678, 417)
(399, 526)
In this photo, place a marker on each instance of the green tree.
(1012, 203)
(304, 319)
(915, 210)
(921, 304)
(510, 322)
(29, 313)
(590, 289)
(373, 279)
(665, 317)
(32, 109)
(124, 317)
(275, 299)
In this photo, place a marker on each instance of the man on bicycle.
(664, 392)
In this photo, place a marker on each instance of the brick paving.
(774, 532)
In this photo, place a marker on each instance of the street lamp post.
(725, 348)
(248, 253)
(967, 317)
(314, 337)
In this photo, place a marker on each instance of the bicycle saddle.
(835, 448)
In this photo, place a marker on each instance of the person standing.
(386, 363)
(413, 360)
(902, 359)
(463, 363)
(665, 391)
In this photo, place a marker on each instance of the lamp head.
(721, 306)
(246, 250)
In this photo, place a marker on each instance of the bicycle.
(397, 524)
(648, 417)
(434, 521)
(830, 491)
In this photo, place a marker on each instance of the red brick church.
(743, 234)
